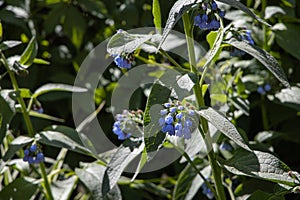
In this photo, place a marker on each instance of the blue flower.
(261, 90)
(225, 146)
(122, 62)
(267, 87)
(169, 119)
(248, 37)
(161, 121)
(222, 13)
(26, 152)
(40, 157)
(33, 148)
(163, 112)
(179, 116)
(118, 131)
(173, 109)
(214, 6)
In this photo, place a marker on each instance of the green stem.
(46, 182)
(265, 28)
(216, 170)
(19, 98)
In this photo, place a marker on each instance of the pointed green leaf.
(50, 87)
(264, 57)
(153, 136)
(289, 97)
(244, 8)
(124, 42)
(119, 161)
(30, 53)
(65, 137)
(223, 125)
(92, 176)
(9, 44)
(16, 145)
(21, 188)
(178, 9)
(63, 189)
(156, 15)
(45, 116)
(40, 61)
(260, 165)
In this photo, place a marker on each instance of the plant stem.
(46, 182)
(265, 28)
(200, 101)
(264, 114)
(19, 98)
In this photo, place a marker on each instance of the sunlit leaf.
(29, 53)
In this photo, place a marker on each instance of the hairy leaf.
(223, 125)
(92, 176)
(260, 165)
(16, 145)
(156, 15)
(63, 189)
(124, 42)
(264, 57)
(50, 87)
(244, 8)
(289, 97)
(119, 161)
(178, 9)
(9, 44)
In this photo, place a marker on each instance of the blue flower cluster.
(264, 89)
(177, 119)
(122, 62)
(127, 124)
(33, 155)
(207, 191)
(246, 36)
(207, 20)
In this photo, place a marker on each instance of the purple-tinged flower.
(214, 5)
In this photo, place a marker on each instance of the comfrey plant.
(187, 121)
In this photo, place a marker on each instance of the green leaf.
(24, 93)
(21, 188)
(289, 97)
(92, 176)
(153, 136)
(63, 189)
(260, 165)
(223, 125)
(95, 8)
(65, 137)
(9, 44)
(286, 39)
(270, 11)
(119, 161)
(7, 112)
(45, 116)
(40, 61)
(16, 145)
(241, 104)
(178, 9)
(156, 15)
(264, 57)
(74, 25)
(261, 195)
(188, 180)
(244, 8)
(30, 53)
(50, 87)
(124, 42)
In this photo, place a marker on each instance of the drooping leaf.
(62, 189)
(156, 15)
(21, 188)
(16, 145)
(124, 42)
(264, 57)
(45, 116)
(178, 9)
(7, 111)
(9, 44)
(50, 87)
(29, 53)
(153, 136)
(289, 97)
(260, 165)
(92, 176)
(273, 10)
(223, 125)
(119, 161)
(244, 8)
(65, 137)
